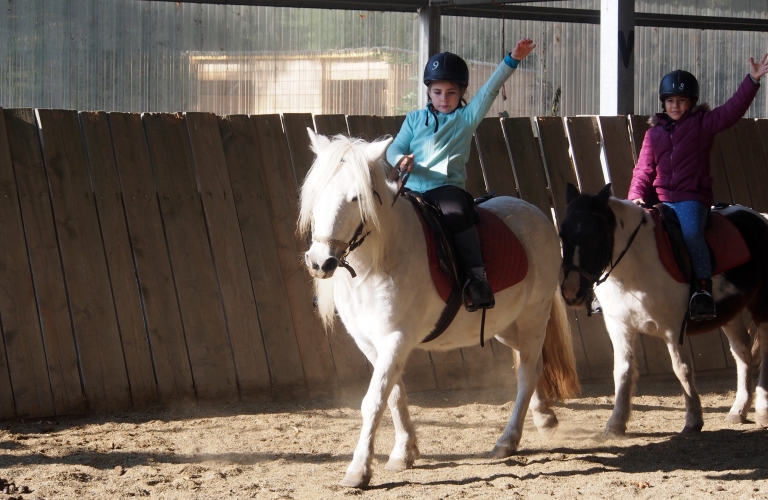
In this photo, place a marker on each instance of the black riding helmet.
(446, 67)
(679, 82)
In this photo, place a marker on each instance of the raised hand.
(757, 69)
(524, 47)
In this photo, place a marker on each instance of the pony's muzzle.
(322, 270)
(572, 291)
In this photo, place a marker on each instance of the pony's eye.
(354, 198)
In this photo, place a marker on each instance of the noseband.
(607, 259)
(356, 241)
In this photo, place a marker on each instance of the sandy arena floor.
(301, 450)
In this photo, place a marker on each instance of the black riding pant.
(459, 217)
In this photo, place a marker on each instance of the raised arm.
(726, 116)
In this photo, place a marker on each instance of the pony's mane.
(342, 152)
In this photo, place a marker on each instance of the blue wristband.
(510, 61)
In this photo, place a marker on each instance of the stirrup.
(702, 306)
(477, 294)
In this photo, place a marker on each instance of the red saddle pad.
(723, 237)
(505, 261)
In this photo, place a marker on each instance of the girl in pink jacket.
(673, 165)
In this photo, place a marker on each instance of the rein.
(348, 247)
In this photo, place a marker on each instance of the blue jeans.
(693, 217)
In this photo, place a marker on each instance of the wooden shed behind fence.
(152, 259)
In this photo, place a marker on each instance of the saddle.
(727, 248)
(506, 263)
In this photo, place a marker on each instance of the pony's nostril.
(330, 265)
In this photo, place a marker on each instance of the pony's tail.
(560, 379)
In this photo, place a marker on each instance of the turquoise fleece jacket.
(440, 158)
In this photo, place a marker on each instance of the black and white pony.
(392, 305)
(602, 234)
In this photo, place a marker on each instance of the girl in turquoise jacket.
(434, 144)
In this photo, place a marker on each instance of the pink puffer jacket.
(674, 161)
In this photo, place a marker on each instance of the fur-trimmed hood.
(654, 120)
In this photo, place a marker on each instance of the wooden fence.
(152, 259)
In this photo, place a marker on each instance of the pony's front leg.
(761, 402)
(387, 370)
(694, 420)
(624, 376)
(528, 374)
(405, 451)
(742, 353)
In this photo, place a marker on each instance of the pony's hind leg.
(405, 451)
(624, 376)
(761, 402)
(529, 371)
(387, 369)
(543, 415)
(694, 420)
(742, 353)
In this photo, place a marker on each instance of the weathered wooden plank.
(527, 163)
(449, 369)
(351, 367)
(117, 245)
(495, 159)
(558, 166)
(753, 162)
(283, 202)
(150, 254)
(584, 136)
(656, 355)
(733, 161)
(244, 163)
(202, 313)
(100, 350)
(22, 353)
(558, 171)
(392, 124)
(240, 312)
(295, 126)
(368, 128)
(708, 351)
(720, 186)
(618, 152)
(48, 279)
(475, 176)
(331, 124)
(638, 125)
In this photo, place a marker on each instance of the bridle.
(607, 259)
(352, 244)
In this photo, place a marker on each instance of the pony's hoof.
(355, 480)
(614, 432)
(735, 418)
(503, 451)
(690, 429)
(761, 418)
(398, 464)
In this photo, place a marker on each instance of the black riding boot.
(477, 293)
(702, 306)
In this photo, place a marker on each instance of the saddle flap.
(727, 246)
(506, 263)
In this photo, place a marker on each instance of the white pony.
(639, 295)
(392, 304)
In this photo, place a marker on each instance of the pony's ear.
(604, 194)
(319, 142)
(571, 192)
(376, 149)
